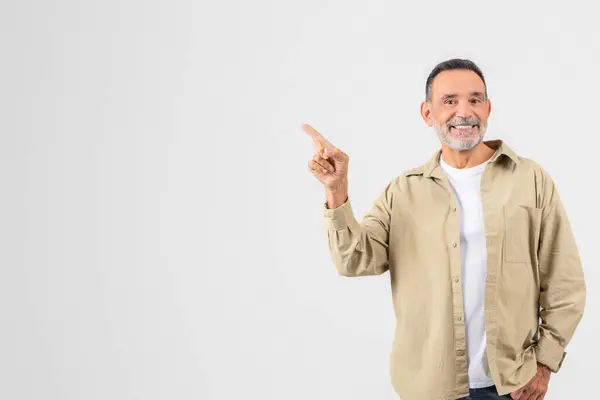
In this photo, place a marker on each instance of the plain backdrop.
(160, 234)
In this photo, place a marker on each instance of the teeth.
(464, 126)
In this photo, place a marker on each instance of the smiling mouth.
(464, 127)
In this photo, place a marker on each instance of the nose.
(464, 109)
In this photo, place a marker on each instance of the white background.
(160, 234)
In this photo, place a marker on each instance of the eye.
(476, 101)
(450, 101)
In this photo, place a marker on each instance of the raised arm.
(357, 248)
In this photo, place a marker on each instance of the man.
(486, 277)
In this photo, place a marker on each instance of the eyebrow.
(453, 95)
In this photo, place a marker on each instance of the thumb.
(332, 152)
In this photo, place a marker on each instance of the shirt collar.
(432, 167)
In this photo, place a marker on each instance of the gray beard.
(462, 143)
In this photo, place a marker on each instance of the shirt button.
(454, 244)
(453, 209)
(459, 318)
(460, 353)
(456, 280)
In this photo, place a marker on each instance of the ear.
(426, 113)
(489, 106)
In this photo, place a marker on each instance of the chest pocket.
(521, 233)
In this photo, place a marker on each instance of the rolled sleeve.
(340, 217)
(550, 353)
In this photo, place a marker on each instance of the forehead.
(457, 81)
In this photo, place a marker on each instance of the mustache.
(463, 121)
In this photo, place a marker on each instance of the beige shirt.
(534, 276)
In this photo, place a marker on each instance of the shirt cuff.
(549, 353)
(339, 218)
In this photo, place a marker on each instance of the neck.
(467, 158)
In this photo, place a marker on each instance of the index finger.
(312, 132)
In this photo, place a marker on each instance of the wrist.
(336, 198)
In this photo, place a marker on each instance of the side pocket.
(521, 233)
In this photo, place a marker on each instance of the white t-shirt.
(466, 184)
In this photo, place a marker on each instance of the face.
(458, 109)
